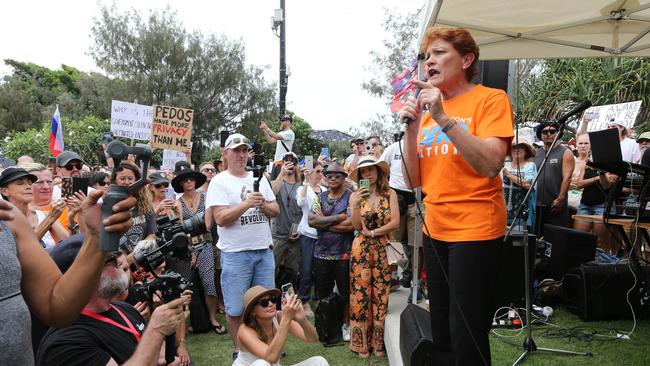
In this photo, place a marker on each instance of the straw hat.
(253, 294)
(370, 160)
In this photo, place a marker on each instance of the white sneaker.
(345, 329)
(308, 312)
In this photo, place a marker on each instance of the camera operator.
(32, 282)
(146, 306)
(109, 332)
(242, 216)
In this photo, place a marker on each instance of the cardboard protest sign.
(599, 116)
(171, 127)
(170, 157)
(131, 120)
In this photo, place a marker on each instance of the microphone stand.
(521, 217)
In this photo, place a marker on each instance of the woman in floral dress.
(375, 214)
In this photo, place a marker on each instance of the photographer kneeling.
(109, 332)
(264, 332)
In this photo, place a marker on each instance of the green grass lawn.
(214, 350)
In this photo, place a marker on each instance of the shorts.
(241, 271)
(584, 209)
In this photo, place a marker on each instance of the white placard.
(131, 120)
(525, 134)
(170, 157)
(599, 116)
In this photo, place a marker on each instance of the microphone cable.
(442, 269)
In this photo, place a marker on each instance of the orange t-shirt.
(462, 205)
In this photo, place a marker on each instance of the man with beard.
(108, 332)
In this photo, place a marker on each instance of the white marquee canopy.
(511, 29)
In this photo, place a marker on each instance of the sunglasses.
(208, 170)
(237, 141)
(77, 166)
(267, 301)
(103, 183)
(318, 171)
(550, 131)
(161, 185)
(374, 144)
(358, 143)
(334, 175)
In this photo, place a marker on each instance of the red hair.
(460, 38)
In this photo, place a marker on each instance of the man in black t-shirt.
(106, 332)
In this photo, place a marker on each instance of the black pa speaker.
(599, 292)
(415, 343)
(493, 73)
(569, 248)
(510, 285)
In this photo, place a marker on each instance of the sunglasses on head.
(237, 140)
(71, 166)
(550, 131)
(161, 185)
(334, 175)
(267, 301)
(209, 170)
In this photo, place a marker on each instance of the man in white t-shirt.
(629, 148)
(242, 216)
(283, 140)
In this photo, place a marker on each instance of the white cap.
(235, 140)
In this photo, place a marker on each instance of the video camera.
(170, 284)
(118, 150)
(258, 166)
(173, 239)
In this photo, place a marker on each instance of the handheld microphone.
(407, 120)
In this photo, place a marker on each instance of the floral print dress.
(369, 280)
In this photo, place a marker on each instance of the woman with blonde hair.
(375, 214)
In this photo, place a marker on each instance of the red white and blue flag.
(402, 85)
(56, 134)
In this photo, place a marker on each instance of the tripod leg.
(521, 358)
(564, 352)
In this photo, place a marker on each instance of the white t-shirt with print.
(630, 150)
(288, 138)
(251, 231)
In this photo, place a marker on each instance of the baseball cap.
(66, 156)
(643, 136)
(235, 140)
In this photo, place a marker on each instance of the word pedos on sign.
(171, 127)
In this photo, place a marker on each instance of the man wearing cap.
(285, 242)
(242, 215)
(644, 142)
(69, 164)
(554, 179)
(358, 147)
(283, 140)
(629, 148)
(330, 216)
(107, 331)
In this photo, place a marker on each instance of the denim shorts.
(241, 271)
(591, 209)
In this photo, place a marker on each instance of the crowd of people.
(324, 228)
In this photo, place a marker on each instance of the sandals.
(220, 329)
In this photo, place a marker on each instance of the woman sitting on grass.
(264, 333)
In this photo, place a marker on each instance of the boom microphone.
(581, 107)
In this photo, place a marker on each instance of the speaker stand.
(529, 345)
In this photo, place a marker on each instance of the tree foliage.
(562, 82)
(163, 63)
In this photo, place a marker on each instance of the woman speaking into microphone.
(454, 148)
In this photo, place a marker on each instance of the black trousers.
(329, 272)
(460, 324)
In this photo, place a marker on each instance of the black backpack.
(329, 319)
